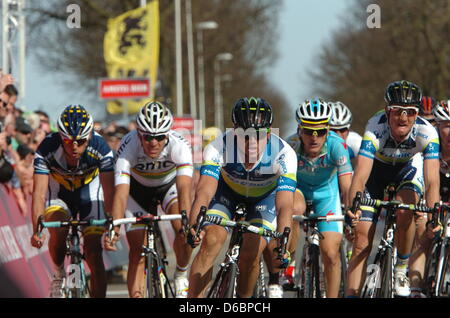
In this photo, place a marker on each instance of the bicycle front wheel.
(224, 284)
(387, 269)
(151, 270)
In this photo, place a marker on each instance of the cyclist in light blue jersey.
(247, 165)
(324, 170)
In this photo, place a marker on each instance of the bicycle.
(153, 250)
(310, 283)
(437, 268)
(225, 282)
(382, 270)
(76, 286)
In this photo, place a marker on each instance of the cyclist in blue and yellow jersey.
(324, 171)
(248, 165)
(391, 152)
(73, 168)
(154, 165)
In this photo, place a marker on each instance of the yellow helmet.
(209, 134)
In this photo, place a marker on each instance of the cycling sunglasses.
(317, 132)
(78, 142)
(250, 132)
(398, 110)
(150, 137)
(3, 103)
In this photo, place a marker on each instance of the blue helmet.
(75, 123)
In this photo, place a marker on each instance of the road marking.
(117, 292)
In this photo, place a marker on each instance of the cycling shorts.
(408, 176)
(261, 211)
(146, 199)
(86, 202)
(326, 201)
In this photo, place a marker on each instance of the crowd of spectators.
(20, 135)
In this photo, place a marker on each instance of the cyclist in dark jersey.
(72, 169)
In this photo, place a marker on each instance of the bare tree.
(411, 44)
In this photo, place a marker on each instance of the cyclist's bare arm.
(38, 206)
(118, 211)
(432, 181)
(184, 186)
(360, 178)
(345, 182)
(107, 181)
(284, 203)
(206, 189)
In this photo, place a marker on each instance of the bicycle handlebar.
(243, 226)
(146, 219)
(327, 218)
(42, 224)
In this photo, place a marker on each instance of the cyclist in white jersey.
(248, 165)
(153, 162)
(340, 122)
(392, 139)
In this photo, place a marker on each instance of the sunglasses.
(317, 132)
(79, 142)
(250, 132)
(341, 130)
(398, 110)
(3, 103)
(149, 137)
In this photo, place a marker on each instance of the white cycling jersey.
(353, 142)
(174, 160)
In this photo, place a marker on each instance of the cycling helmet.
(403, 93)
(252, 113)
(427, 105)
(341, 116)
(442, 111)
(154, 118)
(314, 111)
(75, 123)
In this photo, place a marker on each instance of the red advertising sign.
(184, 123)
(124, 88)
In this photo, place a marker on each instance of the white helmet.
(342, 116)
(442, 112)
(154, 118)
(314, 111)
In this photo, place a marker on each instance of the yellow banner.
(131, 49)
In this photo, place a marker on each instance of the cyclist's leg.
(182, 250)
(262, 214)
(57, 210)
(251, 250)
(202, 265)
(418, 258)
(332, 237)
(215, 236)
(92, 208)
(136, 239)
(362, 246)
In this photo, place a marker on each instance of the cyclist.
(340, 122)
(426, 109)
(388, 153)
(153, 162)
(73, 168)
(249, 165)
(324, 168)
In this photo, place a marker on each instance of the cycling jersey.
(400, 163)
(353, 142)
(256, 187)
(174, 160)
(152, 178)
(76, 190)
(318, 178)
(378, 143)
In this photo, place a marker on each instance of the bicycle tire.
(386, 290)
(444, 284)
(223, 286)
(343, 256)
(431, 270)
(151, 279)
(314, 279)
